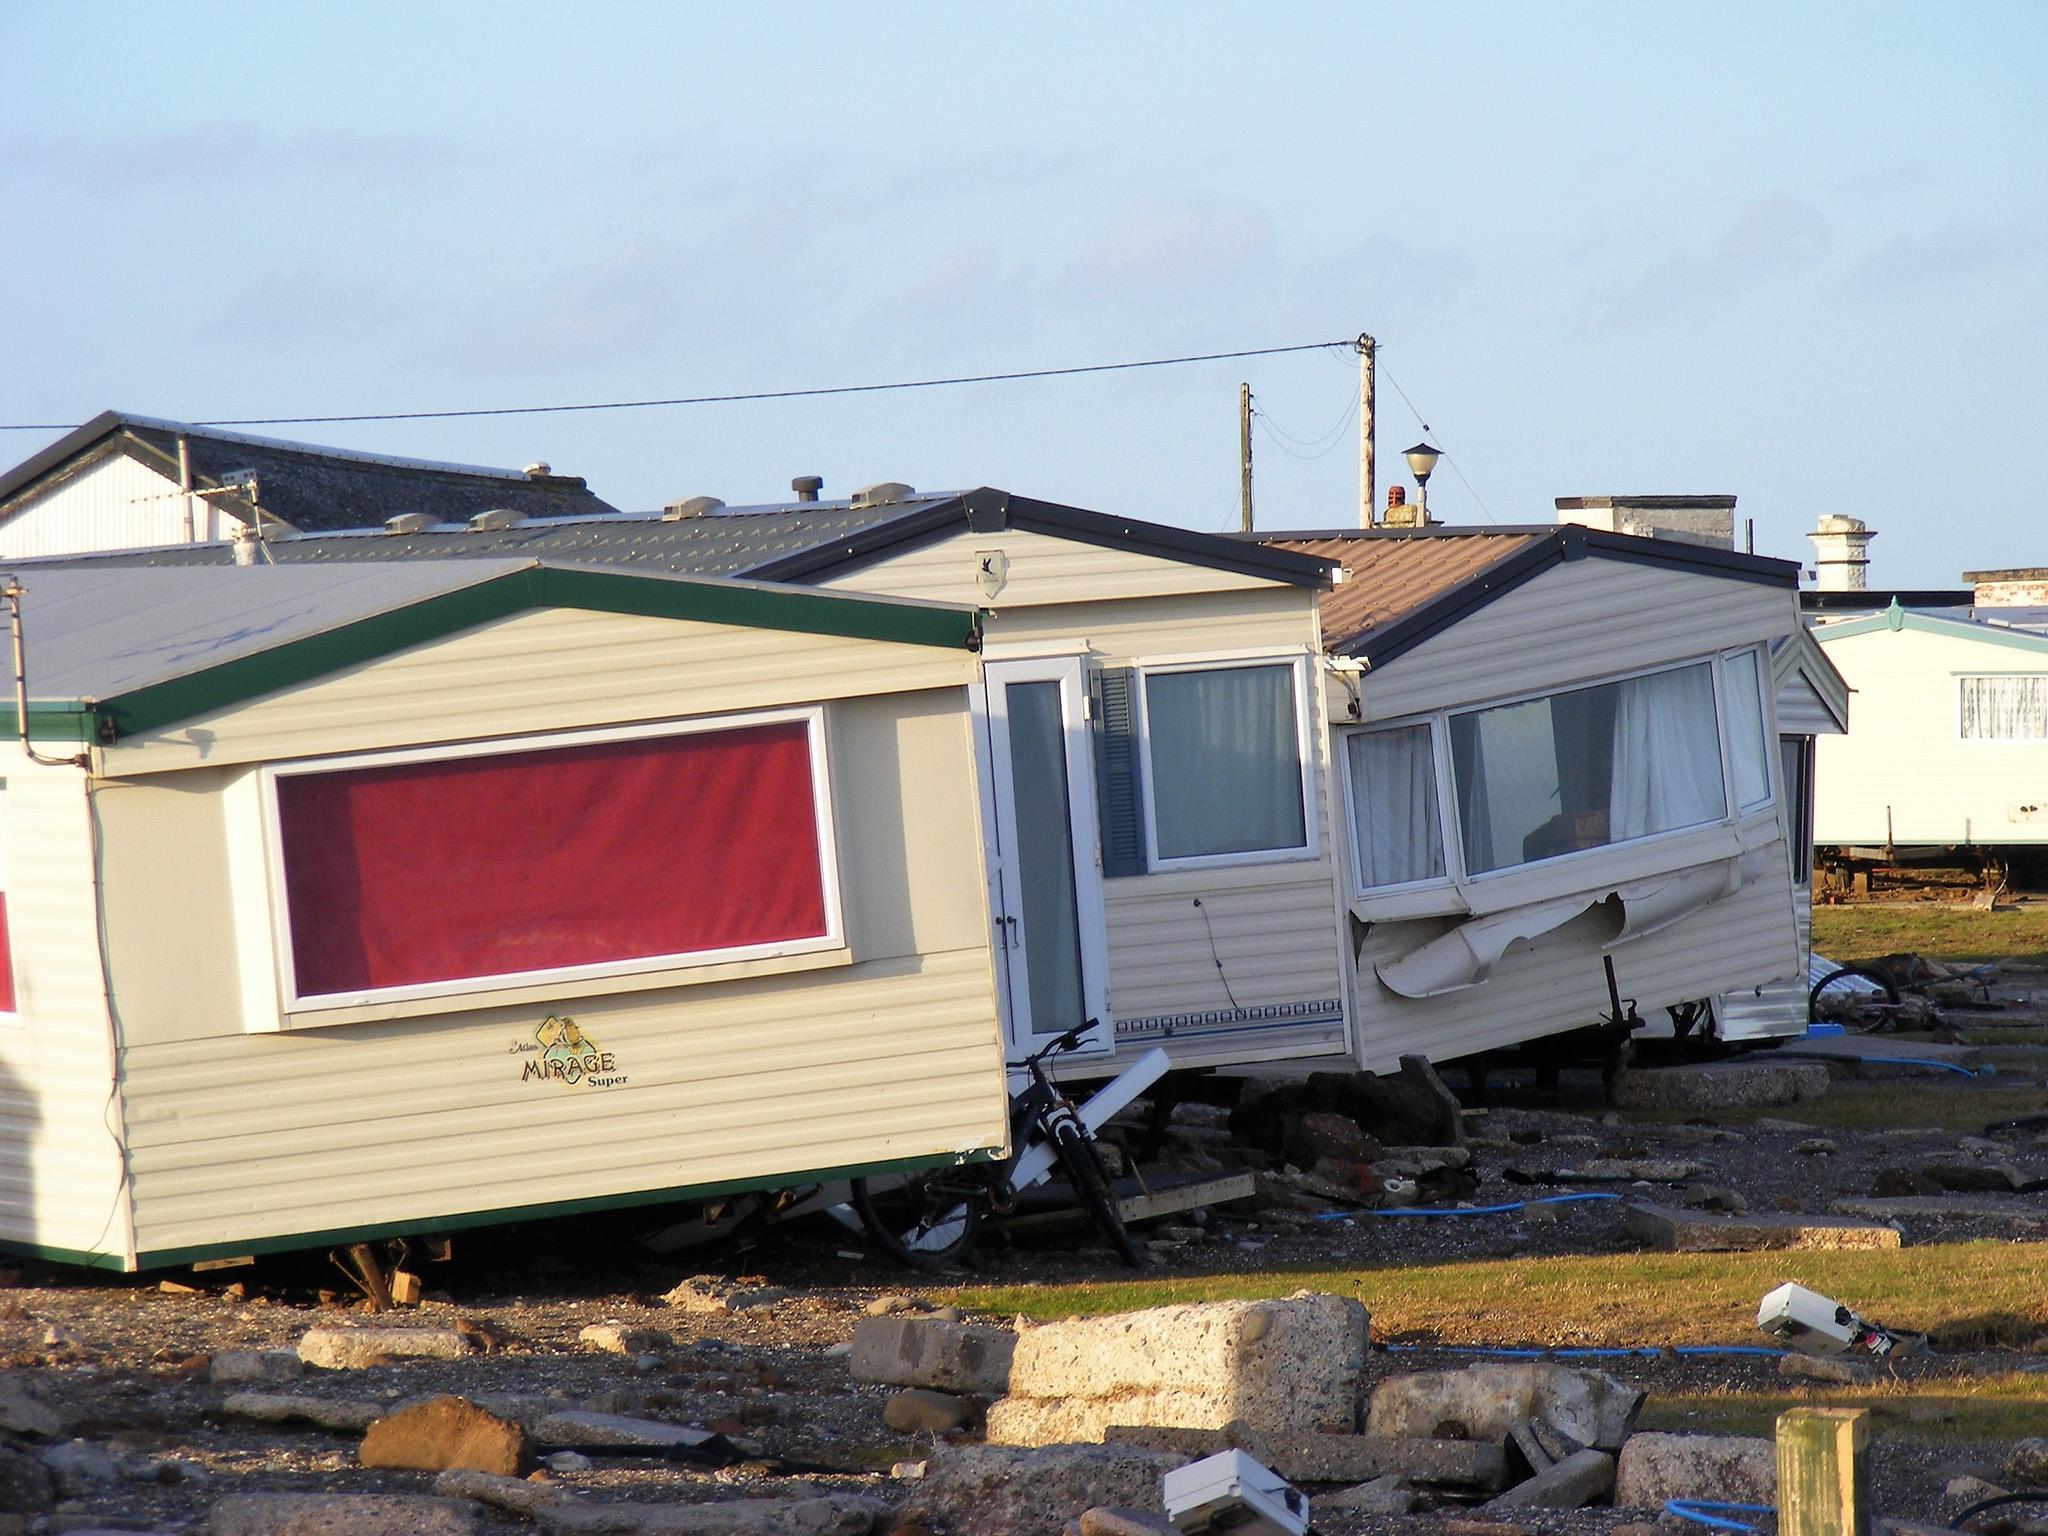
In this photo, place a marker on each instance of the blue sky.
(1798, 253)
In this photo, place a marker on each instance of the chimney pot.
(538, 470)
(807, 487)
(1397, 495)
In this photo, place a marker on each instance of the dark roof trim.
(73, 443)
(1379, 646)
(987, 510)
(539, 586)
(1876, 599)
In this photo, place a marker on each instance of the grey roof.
(101, 631)
(781, 542)
(310, 487)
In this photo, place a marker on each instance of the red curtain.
(526, 861)
(6, 960)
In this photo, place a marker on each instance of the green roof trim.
(379, 635)
(1897, 618)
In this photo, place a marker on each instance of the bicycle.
(935, 1217)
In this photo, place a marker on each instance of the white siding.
(1042, 569)
(1577, 621)
(114, 503)
(60, 1159)
(1559, 979)
(552, 669)
(1903, 771)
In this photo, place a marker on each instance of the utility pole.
(1244, 456)
(1368, 490)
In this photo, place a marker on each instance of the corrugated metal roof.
(1389, 576)
(101, 632)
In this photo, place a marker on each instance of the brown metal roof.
(1390, 575)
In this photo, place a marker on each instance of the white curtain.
(1742, 687)
(1395, 832)
(2005, 708)
(1667, 755)
(1225, 761)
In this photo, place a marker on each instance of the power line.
(1306, 448)
(728, 399)
(1427, 429)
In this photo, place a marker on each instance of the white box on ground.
(1807, 1321)
(1231, 1492)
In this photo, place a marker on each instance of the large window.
(426, 874)
(1396, 835)
(2004, 708)
(1742, 681)
(1224, 761)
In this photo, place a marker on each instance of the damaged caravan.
(1556, 750)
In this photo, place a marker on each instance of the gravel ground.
(126, 1362)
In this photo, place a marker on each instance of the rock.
(1714, 1197)
(1114, 1520)
(1679, 1231)
(1319, 1133)
(919, 1411)
(26, 1486)
(348, 1416)
(891, 1304)
(345, 1347)
(22, 1413)
(1001, 1490)
(515, 1495)
(255, 1367)
(445, 1433)
(1317, 1458)
(1425, 1159)
(900, 1351)
(1640, 1169)
(340, 1514)
(1830, 1368)
(615, 1338)
(1976, 1178)
(1908, 1207)
(1283, 1367)
(1815, 1146)
(568, 1461)
(1720, 1085)
(576, 1427)
(707, 1293)
(837, 1515)
(1390, 1495)
(1573, 1483)
(78, 1466)
(2027, 1462)
(1968, 1490)
(1737, 1469)
(1485, 1402)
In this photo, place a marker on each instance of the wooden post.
(1244, 456)
(1368, 488)
(1823, 1472)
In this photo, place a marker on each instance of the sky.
(1793, 252)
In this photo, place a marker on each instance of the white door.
(1044, 854)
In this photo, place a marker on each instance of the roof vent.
(409, 522)
(694, 506)
(807, 487)
(492, 520)
(539, 469)
(882, 494)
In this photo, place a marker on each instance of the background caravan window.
(1396, 833)
(2004, 708)
(447, 873)
(1223, 761)
(1587, 768)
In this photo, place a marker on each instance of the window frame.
(1995, 741)
(1297, 659)
(295, 1003)
(1450, 815)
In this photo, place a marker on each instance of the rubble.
(1685, 1231)
(1721, 1086)
(26, 1486)
(340, 1514)
(1003, 1490)
(2027, 1462)
(908, 1351)
(1486, 1402)
(832, 1515)
(348, 1416)
(1733, 1468)
(615, 1338)
(1389, 1495)
(1577, 1480)
(22, 1412)
(918, 1410)
(1333, 1458)
(352, 1346)
(1283, 1367)
(707, 1293)
(255, 1367)
(444, 1433)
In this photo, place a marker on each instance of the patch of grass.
(1943, 1411)
(1599, 1300)
(1884, 1104)
(1855, 935)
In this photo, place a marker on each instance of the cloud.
(304, 305)
(1949, 252)
(214, 154)
(1767, 238)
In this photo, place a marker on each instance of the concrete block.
(1320, 1458)
(1674, 1230)
(444, 1433)
(1572, 1484)
(342, 1415)
(1003, 1490)
(1486, 1402)
(255, 1367)
(833, 1515)
(344, 1347)
(340, 1514)
(1284, 1368)
(1739, 1469)
(1719, 1085)
(905, 1351)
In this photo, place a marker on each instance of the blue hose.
(1464, 1210)
(1699, 1512)
(1919, 1061)
(1590, 1352)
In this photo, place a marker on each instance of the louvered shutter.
(1116, 771)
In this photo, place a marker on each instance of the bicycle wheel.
(925, 1220)
(1813, 998)
(1083, 1167)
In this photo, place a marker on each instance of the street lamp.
(1422, 464)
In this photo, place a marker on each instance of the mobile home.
(355, 900)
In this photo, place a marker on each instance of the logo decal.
(560, 1052)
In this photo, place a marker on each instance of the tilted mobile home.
(1155, 796)
(354, 900)
(1555, 747)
